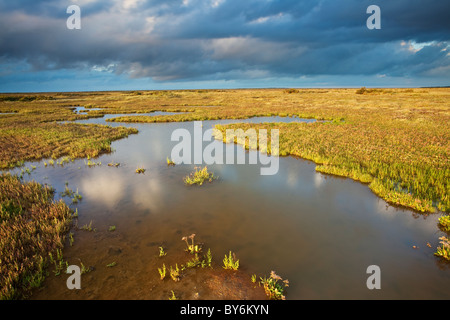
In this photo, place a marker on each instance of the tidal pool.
(318, 231)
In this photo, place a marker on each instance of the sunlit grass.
(199, 176)
(32, 232)
(230, 262)
(444, 249)
(444, 223)
(274, 286)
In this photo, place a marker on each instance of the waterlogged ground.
(318, 231)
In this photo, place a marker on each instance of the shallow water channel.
(318, 231)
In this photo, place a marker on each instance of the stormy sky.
(184, 44)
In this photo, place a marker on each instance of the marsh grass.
(88, 227)
(444, 223)
(192, 248)
(173, 297)
(443, 250)
(38, 140)
(75, 196)
(407, 165)
(162, 253)
(140, 170)
(162, 271)
(113, 164)
(175, 273)
(170, 162)
(32, 232)
(199, 176)
(274, 286)
(92, 163)
(231, 262)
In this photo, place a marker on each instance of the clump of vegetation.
(364, 90)
(231, 262)
(173, 297)
(113, 164)
(170, 162)
(88, 227)
(208, 261)
(91, 163)
(199, 176)
(443, 250)
(63, 161)
(71, 239)
(140, 170)
(191, 248)
(112, 228)
(274, 289)
(444, 223)
(76, 197)
(197, 262)
(59, 263)
(162, 272)
(85, 269)
(32, 229)
(162, 253)
(112, 264)
(175, 273)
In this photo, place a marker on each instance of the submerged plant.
(161, 252)
(199, 176)
(444, 223)
(173, 297)
(71, 240)
(76, 197)
(113, 164)
(175, 273)
(59, 262)
(274, 289)
(85, 270)
(162, 271)
(170, 162)
(140, 170)
(230, 262)
(88, 227)
(90, 163)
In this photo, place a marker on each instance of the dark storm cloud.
(192, 39)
